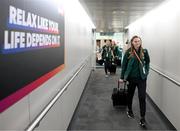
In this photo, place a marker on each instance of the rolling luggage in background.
(119, 95)
(112, 68)
(118, 62)
(100, 61)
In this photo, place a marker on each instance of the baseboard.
(74, 117)
(161, 114)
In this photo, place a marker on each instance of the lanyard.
(138, 57)
(140, 61)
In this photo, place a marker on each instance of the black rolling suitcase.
(117, 62)
(119, 95)
(113, 68)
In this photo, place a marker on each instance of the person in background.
(99, 54)
(117, 53)
(135, 69)
(126, 46)
(107, 56)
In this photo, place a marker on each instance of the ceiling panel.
(115, 15)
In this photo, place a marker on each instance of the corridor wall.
(78, 41)
(160, 31)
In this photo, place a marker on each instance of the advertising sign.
(31, 46)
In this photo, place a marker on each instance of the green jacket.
(132, 68)
(107, 53)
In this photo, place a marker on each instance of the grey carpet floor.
(95, 110)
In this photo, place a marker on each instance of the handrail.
(164, 75)
(39, 117)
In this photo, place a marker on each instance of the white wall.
(160, 32)
(78, 48)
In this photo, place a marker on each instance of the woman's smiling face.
(136, 43)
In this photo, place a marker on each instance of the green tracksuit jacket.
(107, 53)
(132, 68)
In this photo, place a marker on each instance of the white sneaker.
(142, 122)
(106, 76)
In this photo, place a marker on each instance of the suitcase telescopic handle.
(118, 84)
(124, 85)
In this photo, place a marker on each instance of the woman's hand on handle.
(121, 80)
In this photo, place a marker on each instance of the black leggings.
(141, 85)
(107, 65)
